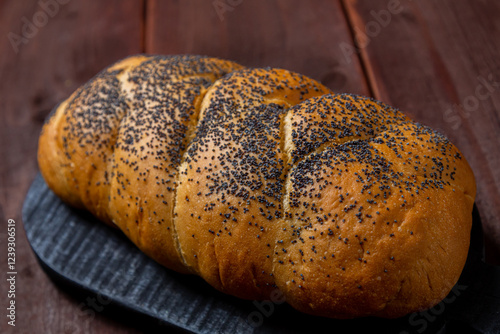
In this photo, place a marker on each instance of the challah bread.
(231, 185)
(263, 179)
(378, 210)
(114, 146)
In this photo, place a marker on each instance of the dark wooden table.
(437, 60)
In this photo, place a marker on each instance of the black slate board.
(93, 259)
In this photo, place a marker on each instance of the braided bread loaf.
(262, 179)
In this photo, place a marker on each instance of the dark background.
(424, 57)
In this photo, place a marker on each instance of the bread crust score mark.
(262, 179)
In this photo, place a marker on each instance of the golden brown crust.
(151, 141)
(379, 211)
(255, 180)
(90, 149)
(77, 142)
(232, 180)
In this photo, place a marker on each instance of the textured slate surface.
(84, 254)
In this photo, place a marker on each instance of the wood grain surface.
(437, 60)
(290, 34)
